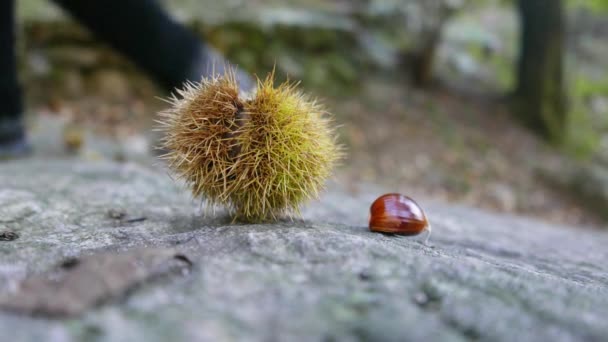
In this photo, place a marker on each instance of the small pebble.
(421, 298)
(8, 236)
(365, 275)
(117, 214)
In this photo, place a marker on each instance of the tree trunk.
(540, 97)
(422, 64)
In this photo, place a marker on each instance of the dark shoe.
(212, 63)
(13, 142)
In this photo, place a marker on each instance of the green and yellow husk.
(260, 157)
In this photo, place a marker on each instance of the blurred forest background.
(432, 96)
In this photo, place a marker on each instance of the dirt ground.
(443, 144)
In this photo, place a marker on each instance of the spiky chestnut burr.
(261, 157)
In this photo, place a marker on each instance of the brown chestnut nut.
(398, 214)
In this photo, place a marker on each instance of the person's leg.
(12, 134)
(144, 32)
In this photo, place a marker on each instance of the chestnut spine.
(261, 157)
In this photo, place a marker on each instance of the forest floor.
(445, 144)
(438, 143)
(441, 143)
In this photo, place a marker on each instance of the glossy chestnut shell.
(397, 214)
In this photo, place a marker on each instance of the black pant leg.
(10, 92)
(144, 32)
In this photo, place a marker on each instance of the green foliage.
(322, 58)
(593, 5)
(583, 139)
(501, 64)
(585, 130)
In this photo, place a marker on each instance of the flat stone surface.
(483, 276)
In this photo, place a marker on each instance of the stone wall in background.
(329, 46)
